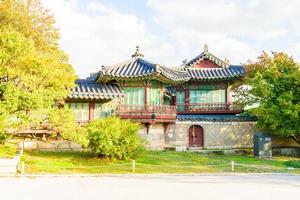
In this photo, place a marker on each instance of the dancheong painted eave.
(90, 90)
(139, 68)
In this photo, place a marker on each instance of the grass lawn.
(8, 150)
(149, 162)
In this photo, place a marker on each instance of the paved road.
(241, 187)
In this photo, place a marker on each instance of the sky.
(103, 32)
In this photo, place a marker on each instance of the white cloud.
(103, 36)
(94, 34)
(239, 30)
(264, 19)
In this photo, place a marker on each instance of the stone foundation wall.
(217, 135)
(52, 146)
(155, 136)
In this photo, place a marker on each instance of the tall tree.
(274, 93)
(34, 71)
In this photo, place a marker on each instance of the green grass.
(7, 150)
(149, 162)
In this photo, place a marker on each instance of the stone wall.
(155, 136)
(52, 146)
(216, 134)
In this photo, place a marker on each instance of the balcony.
(148, 114)
(210, 108)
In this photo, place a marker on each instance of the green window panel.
(207, 96)
(134, 96)
(180, 100)
(80, 110)
(103, 110)
(154, 96)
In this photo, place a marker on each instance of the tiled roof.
(222, 71)
(89, 89)
(215, 118)
(211, 74)
(205, 55)
(138, 67)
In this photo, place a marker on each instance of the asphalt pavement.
(154, 187)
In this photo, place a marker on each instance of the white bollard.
(133, 165)
(232, 165)
(23, 168)
(19, 165)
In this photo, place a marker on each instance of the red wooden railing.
(151, 112)
(202, 107)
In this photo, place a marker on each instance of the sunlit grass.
(8, 150)
(150, 162)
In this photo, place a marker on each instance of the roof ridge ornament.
(137, 53)
(226, 61)
(205, 48)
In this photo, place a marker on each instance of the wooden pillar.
(91, 110)
(161, 96)
(187, 98)
(173, 100)
(228, 99)
(146, 98)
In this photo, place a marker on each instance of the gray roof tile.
(206, 74)
(90, 90)
(137, 67)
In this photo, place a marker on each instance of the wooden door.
(196, 136)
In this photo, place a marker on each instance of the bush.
(293, 163)
(114, 138)
(3, 137)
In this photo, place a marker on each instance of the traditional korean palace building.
(189, 106)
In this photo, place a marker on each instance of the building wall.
(216, 134)
(154, 137)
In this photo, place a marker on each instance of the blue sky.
(102, 32)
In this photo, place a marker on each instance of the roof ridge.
(113, 66)
(206, 54)
(172, 68)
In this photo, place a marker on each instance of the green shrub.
(114, 138)
(293, 163)
(3, 137)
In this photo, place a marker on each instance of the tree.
(62, 122)
(34, 71)
(274, 82)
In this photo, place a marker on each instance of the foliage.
(64, 123)
(3, 137)
(275, 90)
(3, 134)
(34, 72)
(114, 138)
(293, 163)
